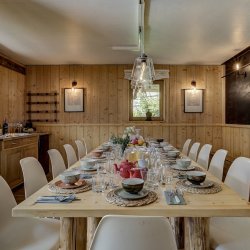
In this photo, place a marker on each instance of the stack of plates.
(205, 184)
(177, 167)
(89, 168)
(125, 195)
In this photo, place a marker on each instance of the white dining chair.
(133, 232)
(71, 154)
(217, 163)
(85, 145)
(186, 146)
(33, 175)
(24, 233)
(203, 156)
(81, 149)
(57, 162)
(194, 151)
(231, 233)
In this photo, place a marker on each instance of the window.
(150, 101)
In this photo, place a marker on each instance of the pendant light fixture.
(74, 82)
(193, 84)
(143, 73)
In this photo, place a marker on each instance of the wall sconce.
(74, 83)
(237, 67)
(193, 84)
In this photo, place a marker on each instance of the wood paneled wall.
(235, 139)
(95, 134)
(107, 103)
(12, 86)
(107, 91)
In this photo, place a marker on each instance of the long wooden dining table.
(91, 205)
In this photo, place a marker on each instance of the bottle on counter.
(5, 127)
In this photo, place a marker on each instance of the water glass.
(144, 172)
(169, 178)
(118, 151)
(101, 167)
(98, 183)
(168, 175)
(114, 180)
(152, 182)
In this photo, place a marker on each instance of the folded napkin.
(174, 198)
(86, 176)
(56, 199)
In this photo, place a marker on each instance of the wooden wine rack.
(36, 102)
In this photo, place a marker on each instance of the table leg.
(73, 234)
(81, 233)
(67, 234)
(92, 225)
(177, 224)
(196, 233)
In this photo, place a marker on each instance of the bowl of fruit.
(138, 142)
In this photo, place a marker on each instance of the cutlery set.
(57, 199)
(174, 197)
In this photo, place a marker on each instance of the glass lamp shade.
(143, 73)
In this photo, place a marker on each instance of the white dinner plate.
(177, 167)
(205, 184)
(88, 168)
(125, 195)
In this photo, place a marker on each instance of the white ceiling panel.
(84, 31)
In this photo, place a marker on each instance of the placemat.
(82, 172)
(55, 189)
(212, 190)
(116, 200)
(184, 171)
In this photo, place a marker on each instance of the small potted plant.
(148, 115)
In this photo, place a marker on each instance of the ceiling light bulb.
(237, 66)
(143, 67)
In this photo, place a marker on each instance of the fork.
(63, 198)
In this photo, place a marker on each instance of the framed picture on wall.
(193, 100)
(74, 100)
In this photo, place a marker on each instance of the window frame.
(161, 89)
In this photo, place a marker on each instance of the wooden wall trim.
(238, 55)
(12, 65)
(236, 126)
(144, 124)
(156, 124)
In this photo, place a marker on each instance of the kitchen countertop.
(11, 136)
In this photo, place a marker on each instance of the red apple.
(134, 141)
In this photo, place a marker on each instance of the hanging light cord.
(141, 27)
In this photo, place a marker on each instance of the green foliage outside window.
(147, 101)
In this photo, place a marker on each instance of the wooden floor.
(19, 194)
(19, 191)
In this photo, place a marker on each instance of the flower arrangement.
(131, 136)
(129, 131)
(120, 140)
